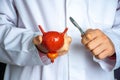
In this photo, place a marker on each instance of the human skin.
(98, 43)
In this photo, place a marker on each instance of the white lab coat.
(19, 20)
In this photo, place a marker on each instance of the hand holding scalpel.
(76, 25)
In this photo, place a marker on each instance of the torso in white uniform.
(78, 64)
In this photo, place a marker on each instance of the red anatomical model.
(52, 41)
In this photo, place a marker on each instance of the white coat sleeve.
(114, 35)
(16, 46)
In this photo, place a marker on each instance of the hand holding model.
(53, 43)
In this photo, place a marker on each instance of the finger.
(98, 50)
(88, 36)
(62, 53)
(84, 40)
(66, 45)
(63, 50)
(93, 33)
(94, 43)
(37, 40)
(68, 39)
(103, 55)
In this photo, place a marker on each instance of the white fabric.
(19, 20)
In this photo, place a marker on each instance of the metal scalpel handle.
(76, 25)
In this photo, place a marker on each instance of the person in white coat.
(86, 58)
